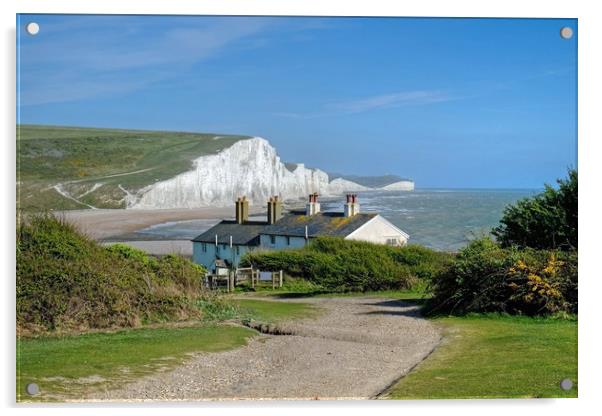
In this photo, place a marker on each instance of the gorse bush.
(66, 281)
(485, 277)
(343, 265)
(532, 267)
(545, 221)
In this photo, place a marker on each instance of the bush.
(343, 265)
(546, 221)
(66, 281)
(129, 252)
(485, 277)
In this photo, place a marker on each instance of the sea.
(442, 219)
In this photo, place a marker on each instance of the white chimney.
(352, 207)
(313, 206)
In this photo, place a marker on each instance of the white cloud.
(396, 99)
(375, 102)
(100, 62)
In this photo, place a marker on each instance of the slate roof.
(333, 224)
(242, 234)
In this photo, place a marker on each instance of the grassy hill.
(75, 168)
(66, 282)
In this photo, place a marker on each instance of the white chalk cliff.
(399, 186)
(249, 167)
(339, 186)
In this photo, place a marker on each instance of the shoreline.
(103, 224)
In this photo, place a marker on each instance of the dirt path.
(354, 350)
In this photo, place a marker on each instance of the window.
(392, 242)
(204, 247)
(223, 246)
(272, 239)
(216, 249)
(237, 250)
(288, 240)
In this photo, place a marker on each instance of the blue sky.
(482, 103)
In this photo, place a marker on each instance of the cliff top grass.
(82, 157)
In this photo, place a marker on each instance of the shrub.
(66, 281)
(129, 252)
(423, 263)
(546, 221)
(485, 277)
(343, 265)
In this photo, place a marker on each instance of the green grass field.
(80, 158)
(486, 356)
(69, 366)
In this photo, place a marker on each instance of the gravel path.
(353, 350)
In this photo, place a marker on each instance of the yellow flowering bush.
(537, 285)
(484, 277)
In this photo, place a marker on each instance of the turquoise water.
(443, 219)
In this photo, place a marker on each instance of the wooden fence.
(243, 275)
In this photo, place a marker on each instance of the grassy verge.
(300, 288)
(71, 366)
(269, 311)
(487, 356)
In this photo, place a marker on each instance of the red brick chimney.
(313, 206)
(352, 207)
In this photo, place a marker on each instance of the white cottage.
(229, 240)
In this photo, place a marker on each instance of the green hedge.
(485, 277)
(343, 265)
(66, 281)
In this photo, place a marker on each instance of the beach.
(114, 225)
(103, 224)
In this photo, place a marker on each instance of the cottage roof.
(333, 224)
(246, 233)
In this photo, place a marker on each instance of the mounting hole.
(566, 32)
(32, 389)
(32, 28)
(566, 384)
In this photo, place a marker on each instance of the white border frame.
(590, 35)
